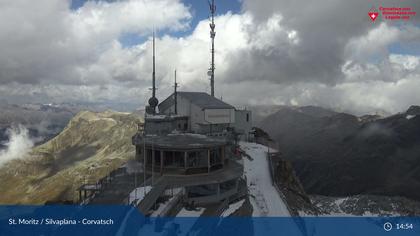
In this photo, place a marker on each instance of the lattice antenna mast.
(212, 36)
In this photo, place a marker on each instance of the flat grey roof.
(204, 100)
(201, 99)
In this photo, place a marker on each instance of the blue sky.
(198, 8)
(408, 48)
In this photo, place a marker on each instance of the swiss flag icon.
(373, 14)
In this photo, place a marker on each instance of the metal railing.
(101, 184)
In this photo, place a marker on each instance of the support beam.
(144, 158)
(153, 164)
(161, 162)
(185, 160)
(208, 161)
(153, 159)
(223, 155)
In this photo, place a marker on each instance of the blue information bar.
(125, 220)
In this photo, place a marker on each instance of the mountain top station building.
(191, 145)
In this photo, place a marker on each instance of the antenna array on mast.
(212, 36)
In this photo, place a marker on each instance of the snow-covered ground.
(138, 194)
(193, 213)
(232, 208)
(166, 206)
(264, 197)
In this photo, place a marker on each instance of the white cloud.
(265, 55)
(405, 62)
(44, 41)
(376, 41)
(18, 146)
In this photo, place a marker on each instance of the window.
(247, 117)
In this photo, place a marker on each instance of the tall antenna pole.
(154, 69)
(153, 101)
(176, 95)
(212, 36)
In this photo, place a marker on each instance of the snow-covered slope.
(264, 197)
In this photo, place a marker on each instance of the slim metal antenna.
(154, 67)
(176, 95)
(212, 36)
(153, 101)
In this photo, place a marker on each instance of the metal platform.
(231, 171)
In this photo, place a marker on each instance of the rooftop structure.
(200, 99)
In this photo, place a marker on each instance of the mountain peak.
(413, 110)
(89, 147)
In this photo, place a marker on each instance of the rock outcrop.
(296, 198)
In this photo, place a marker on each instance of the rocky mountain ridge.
(338, 154)
(89, 147)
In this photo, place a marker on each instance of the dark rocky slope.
(338, 154)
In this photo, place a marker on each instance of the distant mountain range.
(43, 121)
(339, 154)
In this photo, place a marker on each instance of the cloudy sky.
(267, 52)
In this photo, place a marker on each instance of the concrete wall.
(219, 116)
(169, 107)
(197, 117)
(184, 109)
(243, 122)
(165, 126)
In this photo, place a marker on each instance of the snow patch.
(339, 201)
(232, 208)
(409, 117)
(169, 204)
(190, 213)
(137, 195)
